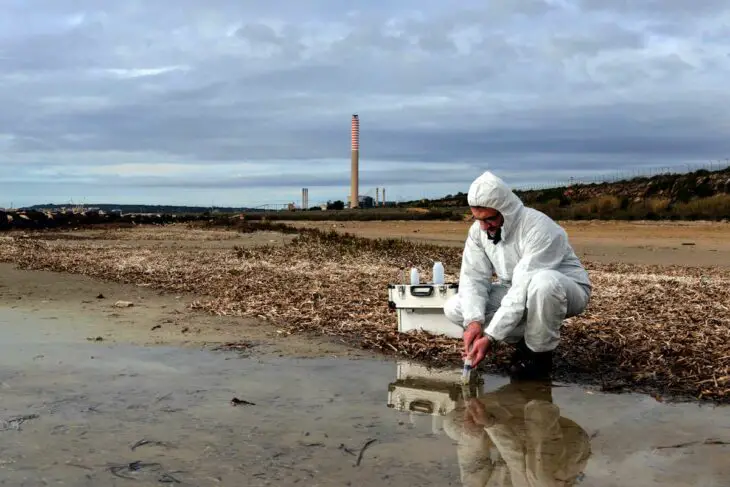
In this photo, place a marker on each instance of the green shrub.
(607, 206)
(715, 207)
(657, 205)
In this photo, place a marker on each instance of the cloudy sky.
(243, 103)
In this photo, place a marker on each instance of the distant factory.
(360, 200)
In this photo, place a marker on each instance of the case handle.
(421, 291)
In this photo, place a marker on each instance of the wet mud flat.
(80, 413)
(83, 413)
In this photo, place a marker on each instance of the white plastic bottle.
(438, 273)
(415, 278)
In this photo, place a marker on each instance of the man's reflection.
(515, 436)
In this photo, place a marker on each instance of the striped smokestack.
(355, 163)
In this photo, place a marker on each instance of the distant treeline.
(601, 208)
(169, 209)
(38, 220)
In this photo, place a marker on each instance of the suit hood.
(489, 191)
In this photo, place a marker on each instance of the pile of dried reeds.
(659, 329)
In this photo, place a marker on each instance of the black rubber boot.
(529, 365)
(521, 351)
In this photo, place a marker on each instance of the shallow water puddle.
(80, 413)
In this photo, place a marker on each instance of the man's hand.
(472, 332)
(479, 350)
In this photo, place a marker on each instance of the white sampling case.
(421, 307)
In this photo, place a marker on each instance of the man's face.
(490, 220)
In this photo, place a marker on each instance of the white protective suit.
(541, 280)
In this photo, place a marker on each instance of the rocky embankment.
(672, 187)
(40, 220)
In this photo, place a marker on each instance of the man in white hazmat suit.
(540, 280)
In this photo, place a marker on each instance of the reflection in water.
(312, 418)
(512, 436)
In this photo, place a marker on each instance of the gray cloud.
(600, 38)
(592, 86)
(656, 7)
